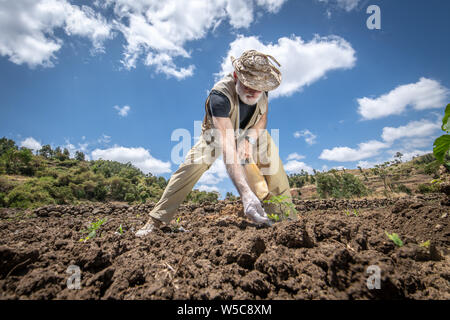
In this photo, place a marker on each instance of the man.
(235, 123)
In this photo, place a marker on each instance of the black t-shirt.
(219, 106)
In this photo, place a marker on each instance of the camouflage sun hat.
(256, 71)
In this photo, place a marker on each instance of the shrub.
(129, 197)
(338, 185)
(77, 190)
(197, 196)
(428, 188)
(31, 194)
(432, 168)
(2, 199)
(62, 195)
(403, 188)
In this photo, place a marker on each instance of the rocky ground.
(326, 254)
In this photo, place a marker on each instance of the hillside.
(420, 175)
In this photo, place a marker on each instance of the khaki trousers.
(201, 157)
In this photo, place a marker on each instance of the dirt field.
(324, 255)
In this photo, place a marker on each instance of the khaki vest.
(227, 86)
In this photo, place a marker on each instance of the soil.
(326, 254)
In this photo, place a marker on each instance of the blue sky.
(116, 78)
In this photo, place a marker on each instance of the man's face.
(248, 96)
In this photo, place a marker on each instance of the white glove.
(254, 210)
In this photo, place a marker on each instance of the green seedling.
(120, 229)
(274, 217)
(395, 238)
(425, 244)
(355, 213)
(279, 200)
(92, 229)
(177, 225)
(441, 145)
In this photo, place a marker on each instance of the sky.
(124, 80)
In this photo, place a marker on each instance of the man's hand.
(254, 210)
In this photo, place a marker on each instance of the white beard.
(245, 98)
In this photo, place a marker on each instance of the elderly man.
(235, 123)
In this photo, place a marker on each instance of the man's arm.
(251, 203)
(230, 155)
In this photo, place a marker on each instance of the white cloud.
(104, 139)
(366, 164)
(407, 139)
(216, 173)
(365, 150)
(421, 128)
(83, 146)
(123, 112)
(28, 29)
(294, 166)
(207, 188)
(271, 5)
(310, 138)
(295, 156)
(31, 143)
(302, 63)
(159, 30)
(347, 5)
(424, 94)
(139, 157)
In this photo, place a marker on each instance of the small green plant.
(355, 212)
(280, 201)
(425, 244)
(274, 217)
(177, 225)
(92, 229)
(441, 145)
(395, 238)
(120, 229)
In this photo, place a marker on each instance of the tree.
(79, 156)
(66, 153)
(230, 196)
(399, 155)
(46, 151)
(6, 144)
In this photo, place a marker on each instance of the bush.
(403, 188)
(2, 199)
(31, 194)
(338, 185)
(62, 195)
(432, 168)
(428, 188)
(77, 190)
(297, 180)
(197, 196)
(129, 197)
